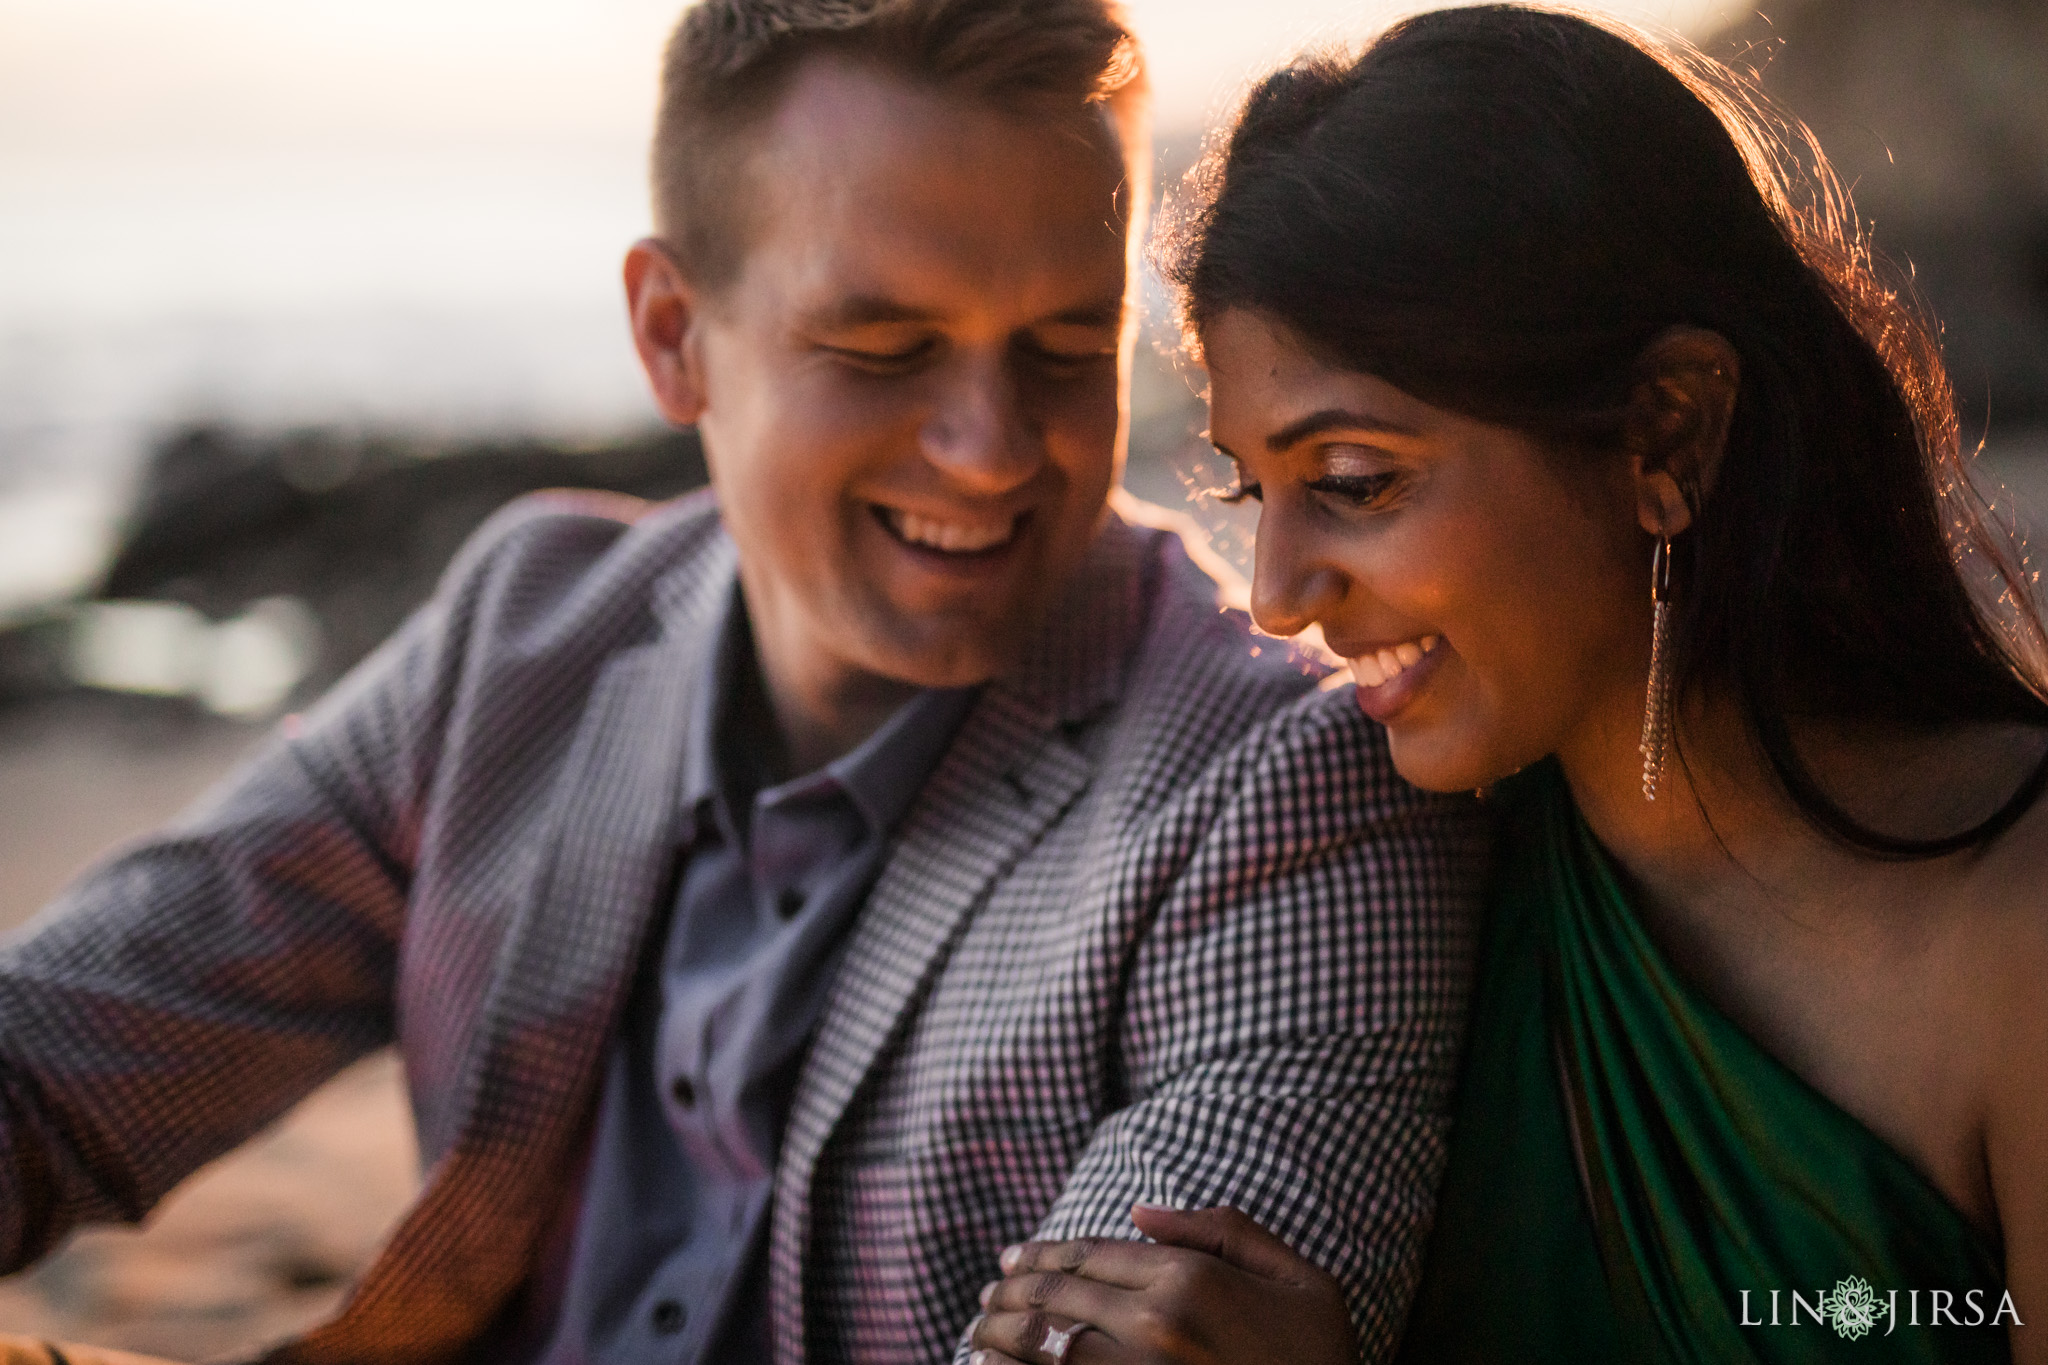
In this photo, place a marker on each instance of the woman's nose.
(1293, 587)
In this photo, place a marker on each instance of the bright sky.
(187, 73)
(243, 153)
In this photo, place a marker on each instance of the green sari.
(1625, 1163)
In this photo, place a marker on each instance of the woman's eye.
(1361, 489)
(1238, 493)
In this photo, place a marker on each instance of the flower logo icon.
(1852, 1309)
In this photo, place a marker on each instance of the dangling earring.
(1657, 706)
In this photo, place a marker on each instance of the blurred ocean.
(436, 296)
(81, 403)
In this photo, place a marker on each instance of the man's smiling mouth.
(950, 535)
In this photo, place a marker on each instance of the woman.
(1634, 497)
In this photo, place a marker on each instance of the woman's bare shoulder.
(2004, 949)
(2008, 950)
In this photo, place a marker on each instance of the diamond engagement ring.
(1058, 1342)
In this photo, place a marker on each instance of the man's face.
(911, 394)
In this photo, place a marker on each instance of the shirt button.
(669, 1317)
(790, 903)
(685, 1093)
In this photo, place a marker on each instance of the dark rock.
(358, 527)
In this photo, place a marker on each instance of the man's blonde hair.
(729, 61)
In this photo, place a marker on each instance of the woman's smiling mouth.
(1390, 676)
(1383, 665)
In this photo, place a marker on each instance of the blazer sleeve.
(184, 994)
(1293, 1019)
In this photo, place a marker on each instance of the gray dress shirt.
(659, 1252)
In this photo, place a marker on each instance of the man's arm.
(184, 994)
(1291, 1034)
(181, 996)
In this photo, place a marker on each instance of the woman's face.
(1492, 595)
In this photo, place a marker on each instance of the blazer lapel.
(1009, 775)
(562, 978)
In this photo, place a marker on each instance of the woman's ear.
(1677, 424)
(667, 316)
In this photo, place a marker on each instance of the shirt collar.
(731, 651)
(881, 776)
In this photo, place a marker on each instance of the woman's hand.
(1217, 1290)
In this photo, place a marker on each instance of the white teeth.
(954, 537)
(1384, 665)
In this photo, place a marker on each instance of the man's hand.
(1218, 1289)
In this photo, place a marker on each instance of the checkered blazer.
(1163, 925)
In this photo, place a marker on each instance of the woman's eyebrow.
(1331, 419)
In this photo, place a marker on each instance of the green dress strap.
(1632, 1178)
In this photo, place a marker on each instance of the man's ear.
(1679, 412)
(667, 315)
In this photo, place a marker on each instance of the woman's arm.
(1217, 1289)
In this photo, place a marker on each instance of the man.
(785, 898)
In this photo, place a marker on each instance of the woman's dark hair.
(1497, 208)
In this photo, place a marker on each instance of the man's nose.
(978, 430)
(1293, 586)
